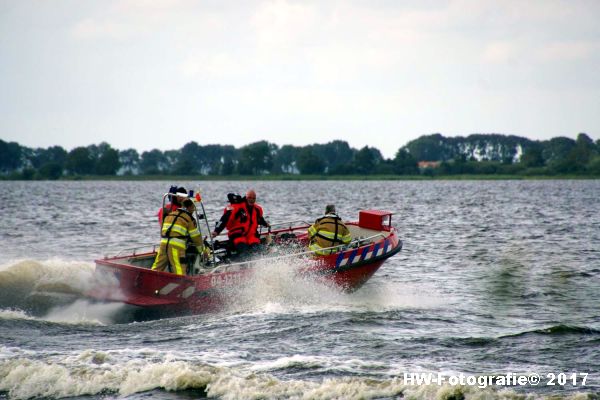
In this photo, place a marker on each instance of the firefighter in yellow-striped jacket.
(178, 228)
(328, 231)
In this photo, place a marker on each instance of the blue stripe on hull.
(376, 248)
(339, 259)
(364, 254)
(351, 258)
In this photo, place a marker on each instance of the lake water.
(495, 278)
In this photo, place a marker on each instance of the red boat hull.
(129, 280)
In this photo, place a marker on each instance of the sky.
(148, 74)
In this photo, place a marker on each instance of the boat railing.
(140, 248)
(289, 225)
(144, 248)
(355, 243)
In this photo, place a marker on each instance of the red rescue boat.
(128, 278)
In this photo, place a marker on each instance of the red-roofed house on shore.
(428, 164)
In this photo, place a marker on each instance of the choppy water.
(494, 278)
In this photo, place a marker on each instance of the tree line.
(428, 155)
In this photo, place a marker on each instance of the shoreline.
(465, 177)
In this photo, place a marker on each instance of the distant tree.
(308, 162)
(334, 155)
(456, 166)
(10, 156)
(228, 167)
(584, 149)
(285, 161)
(130, 162)
(213, 157)
(47, 163)
(256, 158)
(50, 170)
(476, 147)
(579, 155)
(189, 160)
(366, 159)
(404, 163)
(489, 147)
(344, 169)
(428, 148)
(184, 166)
(485, 167)
(27, 174)
(54, 154)
(107, 162)
(95, 150)
(210, 159)
(386, 167)
(533, 157)
(230, 160)
(171, 158)
(557, 149)
(153, 162)
(80, 161)
(593, 166)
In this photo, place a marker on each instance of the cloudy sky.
(149, 74)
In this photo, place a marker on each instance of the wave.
(21, 280)
(100, 373)
(11, 314)
(558, 330)
(51, 290)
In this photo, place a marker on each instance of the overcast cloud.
(149, 74)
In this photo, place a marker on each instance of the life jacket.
(163, 211)
(252, 235)
(237, 224)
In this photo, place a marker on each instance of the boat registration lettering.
(221, 281)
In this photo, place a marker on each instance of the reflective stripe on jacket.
(328, 231)
(178, 227)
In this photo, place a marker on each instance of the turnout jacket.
(179, 227)
(328, 231)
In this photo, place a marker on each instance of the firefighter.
(179, 228)
(328, 231)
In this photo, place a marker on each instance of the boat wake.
(50, 290)
(278, 287)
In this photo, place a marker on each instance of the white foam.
(277, 287)
(14, 314)
(126, 372)
(84, 312)
(295, 361)
(7, 353)
(53, 274)
(264, 386)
